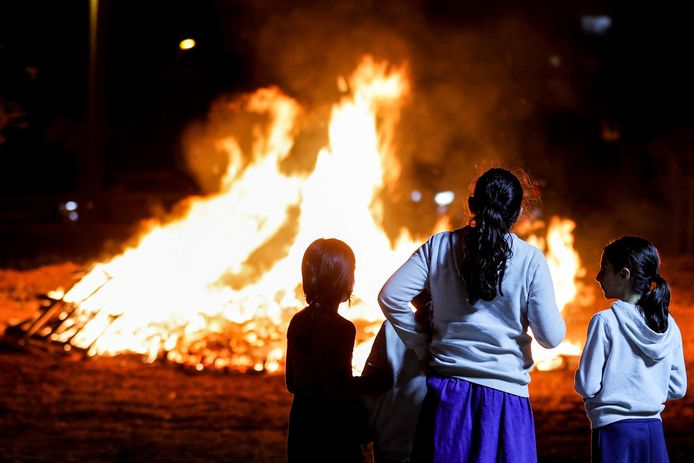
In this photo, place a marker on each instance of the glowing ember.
(192, 291)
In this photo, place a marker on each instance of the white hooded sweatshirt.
(627, 370)
(393, 415)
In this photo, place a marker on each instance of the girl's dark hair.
(642, 259)
(327, 272)
(495, 206)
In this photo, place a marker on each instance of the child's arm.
(543, 315)
(338, 382)
(378, 357)
(395, 296)
(289, 369)
(678, 374)
(336, 345)
(588, 379)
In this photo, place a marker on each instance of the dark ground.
(59, 408)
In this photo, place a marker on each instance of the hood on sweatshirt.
(632, 323)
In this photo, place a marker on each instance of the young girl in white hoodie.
(633, 360)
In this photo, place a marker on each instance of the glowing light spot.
(596, 25)
(272, 367)
(74, 216)
(444, 198)
(416, 196)
(187, 44)
(70, 206)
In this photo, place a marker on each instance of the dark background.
(603, 120)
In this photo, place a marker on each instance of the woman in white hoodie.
(632, 361)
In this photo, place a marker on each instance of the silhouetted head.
(327, 272)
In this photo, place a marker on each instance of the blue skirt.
(629, 441)
(464, 422)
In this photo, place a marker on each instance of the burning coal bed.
(256, 345)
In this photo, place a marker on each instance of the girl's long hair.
(495, 206)
(642, 259)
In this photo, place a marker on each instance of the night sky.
(603, 118)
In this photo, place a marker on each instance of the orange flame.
(565, 267)
(187, 291)
(167, 296)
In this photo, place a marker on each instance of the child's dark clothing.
(324, 418)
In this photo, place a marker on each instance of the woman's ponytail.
(485, 246)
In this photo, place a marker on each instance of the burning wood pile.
(215, 287)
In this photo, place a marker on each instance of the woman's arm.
(588, 379)
(338, 382)
(395, 297)
(289, 370)
(543, 315)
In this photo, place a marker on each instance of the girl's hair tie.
(655, 282)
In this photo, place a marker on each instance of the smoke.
(482, 78)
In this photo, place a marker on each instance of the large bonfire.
(188, 291)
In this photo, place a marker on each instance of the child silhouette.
(325, 421)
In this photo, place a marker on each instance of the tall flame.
(565, 267)
(189, 290)
(171, 294)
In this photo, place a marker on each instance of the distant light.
(199, 367)
(70, 206)
(416, 196)
(74, 216)
(596, 25)
(444, 198)
(555, 61)
(186, 44)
